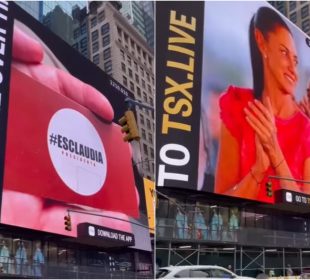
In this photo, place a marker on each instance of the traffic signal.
(129, 126)
(269, 189)
(68, 225)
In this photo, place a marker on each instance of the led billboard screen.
(62, 148)
(254, 111)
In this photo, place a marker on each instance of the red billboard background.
(34, 194)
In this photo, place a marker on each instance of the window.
(132, 87)
(200, 273)
(76, 33)
(151, 138)
(93, 22)
(95, 46)
(96, 59)
(108, 66)
(122, 54)
(105, 40)
(106, 53)
(130, 73)
(143, 83)
(292, 5)
(105, 29)
(139, 92)
(148, 124)
(144, 96)
(305, 25)
(144, 147)
(101, 16)
(142, 119)
(293, 17)
(83, 28)
(142, 71)
(83, 43)
(149, 88)
(94, 35)
(119, 32)
(124, 81)
(137, 78)
(126, 37)
(305, 11)
(151, 101)
(129, 60)
(148, 76)
(182, 274)
(218, 273)
(136, 65)
(132, 43)
(143, 133)
(123, 67)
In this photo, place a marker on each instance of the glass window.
(108, 66)
(150, 138)
(96, 59)
(142, 119)
(148, 122)
(124, 81)
(305, 11)
(126, 37)
(105, 29)
(144, 96)
(107, 53)
(93, 22)
(105, 40)
(292, 5)
(129, 60)
(143, 83)
(144, 146)
(94, 35)
(151, 101)
(76, 33)
(152, 152)
(83, 28)
(148, 76)
(136, 65)
(305, 25)
(119, 32)
(200, 273)
(137, 78)
(149, 88)
(132, 87)
(183, 274)
(95, 46)
(143, 134)
(101, 16)
(122, 54)
(130, 73)
(293, 17)
(219, 273)
(83, 43)
(142, 71)
(123, 67)
(139, 91)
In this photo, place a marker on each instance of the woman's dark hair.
(266, 20)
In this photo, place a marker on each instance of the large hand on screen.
(261, 119)
(27, 57)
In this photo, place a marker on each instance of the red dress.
(293, 136)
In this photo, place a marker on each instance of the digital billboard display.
(62, 149)
(254, 108)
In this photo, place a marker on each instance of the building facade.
(296, 11)
(118, 49)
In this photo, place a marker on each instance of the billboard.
(253, 110)
(61, 148)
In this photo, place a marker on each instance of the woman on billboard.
(263, 131)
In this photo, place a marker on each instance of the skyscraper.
(296, 11)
